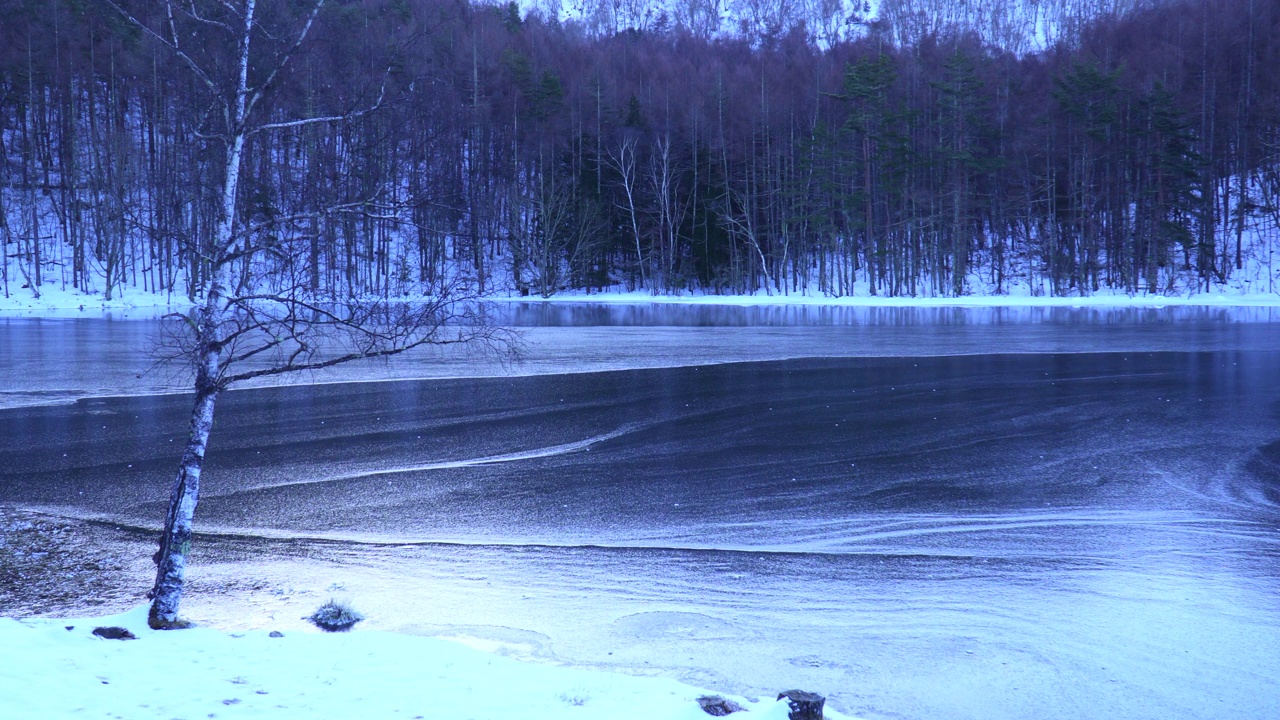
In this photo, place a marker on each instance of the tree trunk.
(175, 541)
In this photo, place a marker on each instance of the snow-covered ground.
(57, 668)
(135, 303)
(58, 302)
(1099, 300)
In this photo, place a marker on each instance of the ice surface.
(1086, 527)
(44, 361)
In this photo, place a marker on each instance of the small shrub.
(717, 706)
(114, 633)
(334, 616)
(574, 700)
(156, 623)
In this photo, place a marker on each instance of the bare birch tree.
(671, 202)
(259, 314)
(623, 160)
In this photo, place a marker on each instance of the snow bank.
(1104, 300)
(134, 303)
(49, 671)
(59, 302)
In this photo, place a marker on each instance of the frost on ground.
(59, 668)
(49, 566)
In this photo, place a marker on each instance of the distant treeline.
(1141, 150)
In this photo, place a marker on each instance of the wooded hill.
(1140, 152)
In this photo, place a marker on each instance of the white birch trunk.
(175, 541)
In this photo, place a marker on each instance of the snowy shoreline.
(875, 301)
(55, 303)
(58, 667)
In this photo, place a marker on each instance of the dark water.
(1088, 534)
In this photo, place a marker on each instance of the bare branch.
(171, 44)
(285, 57)
(330, 362)
(230, 8)
(191, 12)
(326, 119)
(375, 330)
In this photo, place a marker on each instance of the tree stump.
(804, 705)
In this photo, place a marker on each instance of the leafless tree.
(623, 161)
(671, 203)
(700, 17)
(740, 220)
(259, 314)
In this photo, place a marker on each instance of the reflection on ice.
(47, 361)
(587, 314)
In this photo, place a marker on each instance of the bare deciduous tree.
(259, 314)
(622, 160)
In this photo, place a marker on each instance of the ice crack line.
(549, 451)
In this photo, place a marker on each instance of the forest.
(914, 148)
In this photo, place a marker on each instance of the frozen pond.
(922, 513)
(57, 360)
